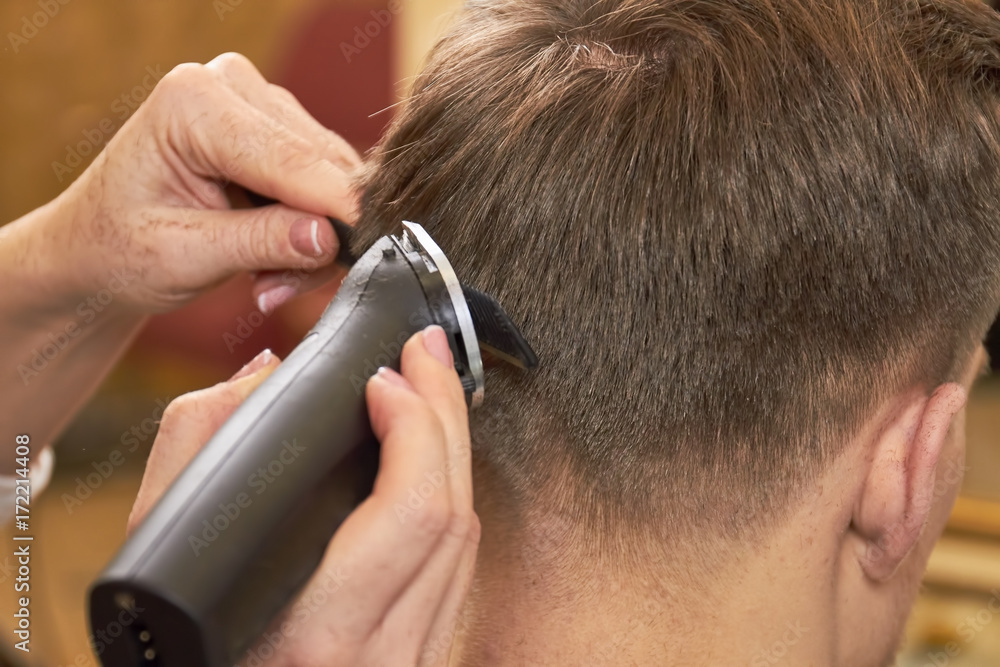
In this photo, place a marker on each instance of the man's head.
(751, 242)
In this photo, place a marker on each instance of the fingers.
(428, 607)
(222, 136)
(385, 542)
(398, 553)
(441, 635)
(154, 200)
(271, 237)
(427, 363)
(241, 75)
(273, 288)
(397, 571)
(188, 423)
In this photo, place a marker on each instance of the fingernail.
(392, 377)
(436, 343)
(262, 359)
(274, 297)
(307, 238)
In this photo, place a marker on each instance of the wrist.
(48, 275)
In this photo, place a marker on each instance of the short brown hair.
(730, 230)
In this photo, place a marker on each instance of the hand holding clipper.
(387, 573)
(203, 606)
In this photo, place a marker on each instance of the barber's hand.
(151, 211)
(396, 573)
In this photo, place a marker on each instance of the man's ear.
(899, 491)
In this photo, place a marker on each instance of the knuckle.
(179, 407)
(185, 78)
(413, 414)
(415, 345)
(285, 96)
(292, 154)
(231, 63)
(256, 241)
(433, 519)
(195, 405)
(431, 423)
(460, 524)
(475, 530)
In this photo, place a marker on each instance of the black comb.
(495, 330)
(497, 334)
(344, 232)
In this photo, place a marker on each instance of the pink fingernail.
(274, 297)
(436, 343)
(308, 238)
(262, 359)
(393, 377)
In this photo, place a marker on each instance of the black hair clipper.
(246, 524)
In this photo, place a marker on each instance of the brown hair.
(730, 230)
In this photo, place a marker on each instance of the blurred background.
(85, 68)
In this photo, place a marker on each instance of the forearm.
(58, 340)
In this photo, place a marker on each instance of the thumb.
(256, 239)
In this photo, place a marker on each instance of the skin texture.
(148, 227)
(387, 581)
(832, 584)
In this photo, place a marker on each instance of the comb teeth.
(495, 330)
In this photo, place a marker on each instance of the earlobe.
(899, 490)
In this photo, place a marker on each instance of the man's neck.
(776, 602)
